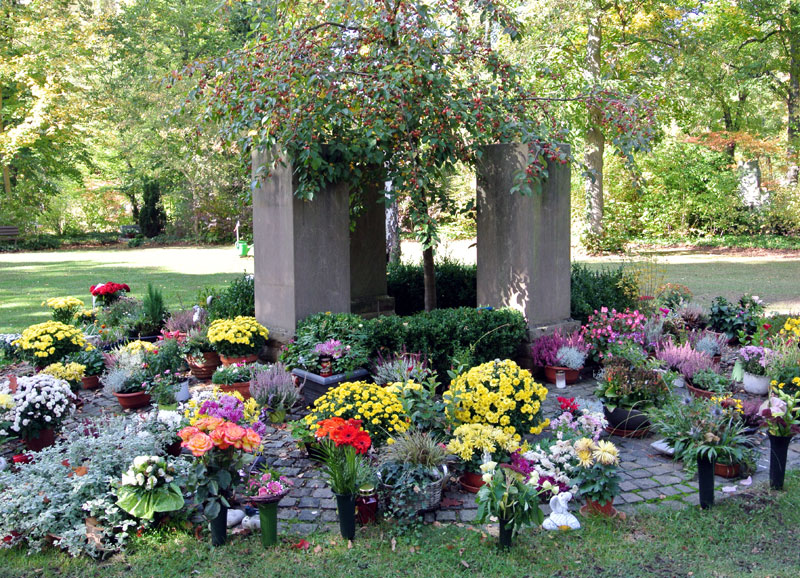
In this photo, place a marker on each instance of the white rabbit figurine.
(560, 518)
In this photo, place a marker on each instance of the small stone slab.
(663, 447)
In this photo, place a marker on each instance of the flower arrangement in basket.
(46, 343)
(497, 393)
(380, 410)
(148, 487)
(39, 406)
(237, 337)
(107, 293)
(63, 308)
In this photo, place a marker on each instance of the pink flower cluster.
(605, 327)
(266, 485)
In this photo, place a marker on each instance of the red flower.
(22, 459)
(767, 326)
(568, 404)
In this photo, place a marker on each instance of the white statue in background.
(560, 518)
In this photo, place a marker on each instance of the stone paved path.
(649, 480)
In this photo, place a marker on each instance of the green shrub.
(152, 217)
(591, 290)
(456, 286)
(238, 298)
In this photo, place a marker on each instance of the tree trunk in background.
(393, 250)
(793, 100)
(595, 140)
(6, 172)
(429, 271)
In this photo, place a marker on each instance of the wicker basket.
(431, 495)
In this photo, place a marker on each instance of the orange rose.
(250, 441)
(231, 433)
(198, 444)
(188, 432)
(209, 423)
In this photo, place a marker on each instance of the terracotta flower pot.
(570, 375)
(90, 382)
(697, 392)
(47, 437)
(596, 508)
(242, 387)
(252, 358)
(203, 367)
(471, 482)
(133, 400)
(726, 470)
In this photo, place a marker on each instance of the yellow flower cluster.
(86, 314)
(51, 339)
(139, 346)
(591, 452)
(729, 402)
(6, 401)
(498, 393)
(63, 303)
(792, 326)
(471, 441)
(238, 335)
(795, 382)
(72, 372)
(380, 410)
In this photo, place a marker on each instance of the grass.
(27, 279)
(751, 534)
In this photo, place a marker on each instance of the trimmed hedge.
(591, 290)
(456, 286)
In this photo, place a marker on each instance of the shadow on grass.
(24, 286)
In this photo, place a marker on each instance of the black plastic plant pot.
(705, 480)
(346, 505)
(505, 534)
(778, 448)
(219, 527)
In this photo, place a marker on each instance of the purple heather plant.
(225, 407)
(683, 359)
(755, 359)
(544, 351)
(332, 347)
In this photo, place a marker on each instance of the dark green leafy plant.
(710, 380)
(237, 299)
(456, 286)
(91, 359)
(152, 217)
(594, 289)
(730, 319)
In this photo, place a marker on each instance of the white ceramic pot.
(755, 384)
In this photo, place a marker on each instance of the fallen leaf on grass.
(317, 549)
(437, 524)
(729, 489)
(464, 564)
(349, 544)
(747, 481)
(394, 544)
(302, 545)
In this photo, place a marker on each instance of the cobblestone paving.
(649, 479)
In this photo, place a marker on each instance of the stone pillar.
(368, 290)
(524, 241)
(750, 184)
(302, 251)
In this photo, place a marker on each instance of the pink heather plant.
(683, 359)
(544, 350)
(605, 327)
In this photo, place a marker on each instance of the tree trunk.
(793, 100)
(429, 271)
(595, 139)
(6, 172)
(393, 251)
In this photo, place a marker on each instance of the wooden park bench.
(9, 233)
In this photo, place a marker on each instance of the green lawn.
(754, 534)
(27, 279)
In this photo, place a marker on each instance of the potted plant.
(39, 406)
(597, 475)
(753, 361)
(683, 359)
(224, 450)
(400, 368)
(730, 318)
(708, 383)
(628, 392)
(607, 327)
(710, 344)
(200, 354)
(382, 410)
(148, 324)
(45, 343)
(63, 308)
(510, 496)
(163, 387)
(783, 364)
(344, 444)
(274, 390)
(108, 293)
(781, 418)
(232, 378)
(412, 472)
(70, 372)
(472, 442)
(149, 487)
(263, 490)
(237, 340)
(128, 385)
(94, 366)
